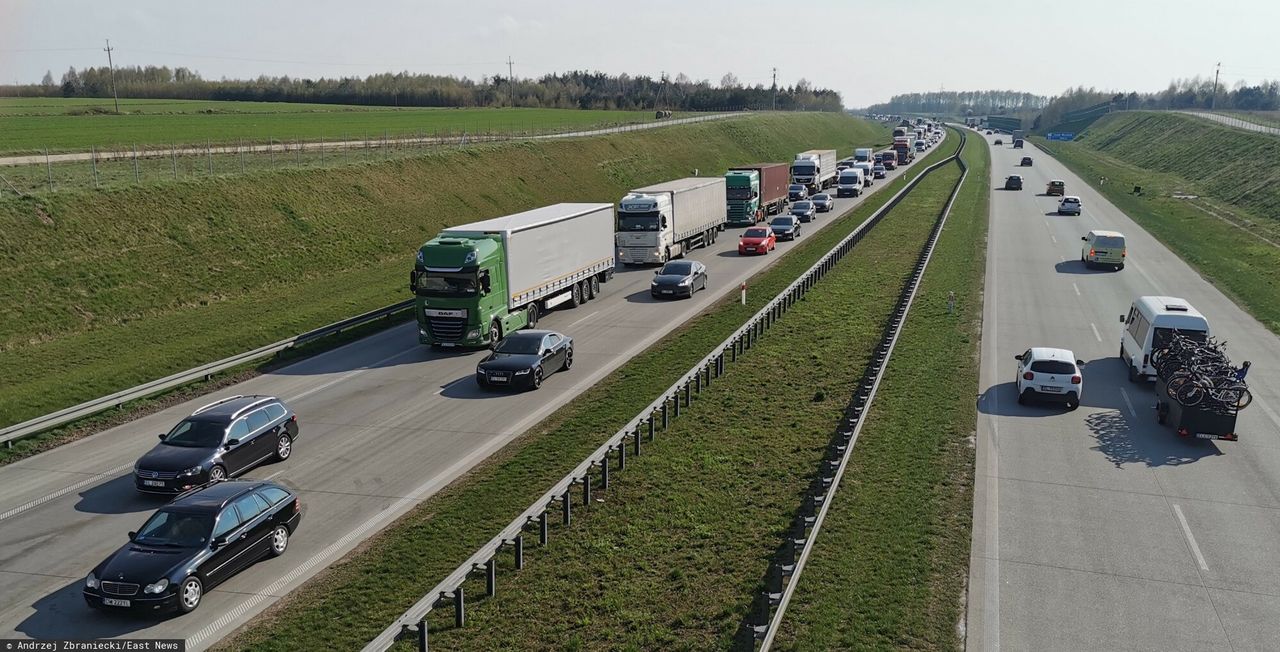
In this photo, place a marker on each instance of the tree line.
(569, 90)
(960, 103)
(1193, 93)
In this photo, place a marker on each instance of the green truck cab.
(463, 292)
(742, 190)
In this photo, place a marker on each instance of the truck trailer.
(664, 221)
(477, 282)
(815, 169)
(755, 191)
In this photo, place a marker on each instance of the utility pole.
(112, 66)
(1214, 99)
(775, 89)
(661, 89)
(511, 80)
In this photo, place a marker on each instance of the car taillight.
(1092, 252)
(297, 504)
(1075, 380)
(1027, 376)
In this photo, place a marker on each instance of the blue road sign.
(1060, 135)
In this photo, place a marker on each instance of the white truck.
(814, 169)
(864, 155)
(664, 221)
(849, 183)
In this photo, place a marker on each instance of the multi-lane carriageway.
(1099, 529)
(385, 422)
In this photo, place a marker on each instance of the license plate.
(497, 379)
(750, 248)
(1047, 388)
(1206, 435)
(115, 602)
(153, 483)
(668, 291)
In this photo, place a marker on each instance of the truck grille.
(637, 253)
(447, 329)
(119, 588)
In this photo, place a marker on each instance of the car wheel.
(495, 334)
(189, 594)
(568, 359)
(531, 315)
(1133, 374)
(537, 377)
(284, 448)
(1073, 401)
(217, 474)
(279, 540)
(1024, 396)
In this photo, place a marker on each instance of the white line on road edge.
(1095, 331)
(583, 319)
(1076, 288)
(1186, 530)
(1125, 396)
(991, 530)
(65, 490)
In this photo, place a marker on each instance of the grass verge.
(1229, 232)
(888, 569)
(353, 600)
(100, 291)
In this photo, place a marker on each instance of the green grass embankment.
(351, 602)
(888, 568)
(1230, 232)
(105, 290)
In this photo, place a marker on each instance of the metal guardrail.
(89, 408)
(809, 521)
(613, 452)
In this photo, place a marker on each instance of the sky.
(868, 51)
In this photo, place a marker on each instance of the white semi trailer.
(664, 221)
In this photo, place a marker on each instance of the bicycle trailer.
(1205, 421)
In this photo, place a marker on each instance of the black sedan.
(202, 538)
(786, 227)
(805, 211)
(524, 359)
(823, 202)
(679, 278)
(1013, 182)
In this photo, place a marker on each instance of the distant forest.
(570, 90)
(960, 103)
(1193, 93)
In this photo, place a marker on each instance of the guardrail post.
(604, 472)
(422, 634)
(459, 607)
(518, 544)
(491, 577)
(636, 436)
(697, 381)
(622, 455)
(688, 395)
(566, 506)
(650, 420)
(666, 420)
(542, 529)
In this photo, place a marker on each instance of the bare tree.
(729, 80)
(47, 80)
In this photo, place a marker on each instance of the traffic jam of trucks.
(475, 284)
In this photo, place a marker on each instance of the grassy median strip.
(888, 568)
(672, 555)
(355, 599)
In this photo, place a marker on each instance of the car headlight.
(91, 581)
(422, 332)
(523, 372)
(653, 283)
(192, 471)
(158, 587)
(687, 281)
(471, 335)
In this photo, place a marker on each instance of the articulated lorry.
(477, 282)
(903, 147)
(664, 221)
(814, 169)
(755, 191)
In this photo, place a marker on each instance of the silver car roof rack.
(216, 403)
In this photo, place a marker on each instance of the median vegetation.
(888, 568)
(1209, 193)
(105, 290)
(354, 600)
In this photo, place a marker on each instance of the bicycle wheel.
(1190, 394)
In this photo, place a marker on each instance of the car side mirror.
(1018, 357)
(133, 535)
(657, 272)
(547, 352)
(1079, 363)
(218, 541)
(1084, 237)
(162, 436)
(232, 442)
(1121, 319)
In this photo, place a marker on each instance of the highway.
(1099, 529)
(385, 422)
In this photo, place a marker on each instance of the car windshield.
(439, 284)
(756, 233)
(649, 221)
(520, 344)
(801, 206)
(196, 433)
(1053, 367)
(822, 197)
(175, 529)
(795, 187)
(781, 221)
(677, 268)
(1108, 242)
(803, 169)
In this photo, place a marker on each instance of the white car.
(1069, 205)
(1052, 374)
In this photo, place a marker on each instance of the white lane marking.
(66, 490)
(991, 598)
(1191, 539)
(1125, 395)
(1076, 288)
(583, 319)
(349, 375)
(1055, 240)
(442, 389)
(1095, 331)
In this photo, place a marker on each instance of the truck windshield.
(638, 221)
(738, 193)
(807, 169)
(441, 284)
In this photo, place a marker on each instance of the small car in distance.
(988, 132)
(199, 540)
(1025, 162)
(823, 202)
(879, 171)
(998, 141)
(1056, 187)
(785, 227)
(796, 192)
(1013, 182)
(757, 240)
(218, 441)
(1103, 248)
(1069, 205)
(1050, 374)
(804, 211)
(524, 359)
(678, 278)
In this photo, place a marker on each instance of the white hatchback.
(1052, 374)
(1069, 205)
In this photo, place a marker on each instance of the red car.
(757, 240)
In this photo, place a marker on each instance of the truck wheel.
(1133, 374)
(595, 286)
(576, 295)
(588, 290)
(495, 334)
(531, 315)
(1162, 413)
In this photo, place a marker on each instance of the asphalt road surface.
(1099, 529)
(385, 422)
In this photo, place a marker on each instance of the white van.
(1147, 327)
(868, 171)
(849, 183)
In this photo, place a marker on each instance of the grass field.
(29, 125)
(353, 600)
(888, 569)
(1230, 232)
(103, 290)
